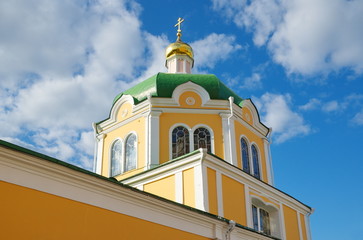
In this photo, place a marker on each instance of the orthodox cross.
(180, 20)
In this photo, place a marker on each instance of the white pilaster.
(268, 160)
(232, 136)
(153, 139)
(219, 194)
(201, 201)
(179, 187)
(179, 64)
(299, 225)
(248, 207)
(226, 139)
(99, 158)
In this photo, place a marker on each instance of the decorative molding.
(255, 117)
(190, 87)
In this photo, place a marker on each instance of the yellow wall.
(185, 103)
(138, 126)
(167, 120)
(291, 224)
(188, 187)
(303, 226)
(252, 137)
(234, 204)
(34, 215)
(164, 187)
(212, 191)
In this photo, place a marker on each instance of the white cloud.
(330, 106)
(213, 48)
(313, 104)
(252, 82)
(276, 112)
(305, 36)
(62, 62)
(358, 119)
(62, 68)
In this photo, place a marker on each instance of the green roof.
(163, 85)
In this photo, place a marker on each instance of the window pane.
(180, 141)
(245, 156)
(130, 153)
(255, 218)
(202, 139)
(116, 157)
(256, 163)
(265, 221)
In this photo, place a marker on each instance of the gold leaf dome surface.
(179, 48)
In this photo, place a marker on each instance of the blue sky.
(300, 61)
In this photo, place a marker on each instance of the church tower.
(190, 139)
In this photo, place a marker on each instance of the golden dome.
(179, 48)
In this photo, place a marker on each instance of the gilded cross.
(180, 20)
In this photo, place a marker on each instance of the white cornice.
(165, 170)
(190, 110)
(116, 125)
(222, 167)
(254, 183)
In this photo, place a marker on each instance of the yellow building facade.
(199, 144)
(180, 156)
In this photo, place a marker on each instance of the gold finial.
(180, 20)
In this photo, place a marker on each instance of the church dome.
(179, 48)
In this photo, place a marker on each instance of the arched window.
(202, 139)
(116, 158)
(130, 153)
(180, 141)
(255, 162)
(245, 156)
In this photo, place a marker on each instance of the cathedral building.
(180, 155)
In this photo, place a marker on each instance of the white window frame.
(249, 152)
(191, 137)
(171, 137)
(124, 154)
(211, 136)
(250, 156)
(259, 160)
(274, 215)
(110, 156)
